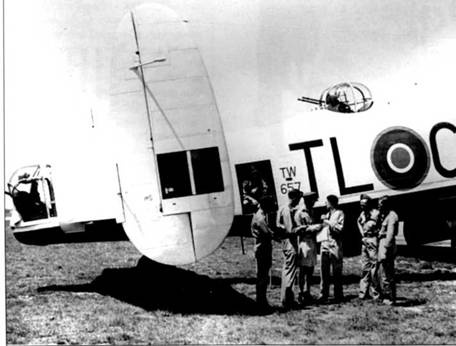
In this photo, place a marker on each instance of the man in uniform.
(368, 225)
(331, 249)
(263, 234)
(307, 226)
(286, 225)
(387, 249)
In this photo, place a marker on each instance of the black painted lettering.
(344, 190)
(306, 146)
(292, 171)
(444, 172)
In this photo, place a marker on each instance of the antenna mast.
(149, 119)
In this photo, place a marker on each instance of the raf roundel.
(400, 158)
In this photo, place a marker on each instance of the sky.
(260, 55)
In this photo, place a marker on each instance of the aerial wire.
(140, 66)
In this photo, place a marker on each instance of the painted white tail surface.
(162, 102)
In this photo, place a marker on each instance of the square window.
(207, 170)
(174, 174)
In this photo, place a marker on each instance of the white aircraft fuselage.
(403, 146)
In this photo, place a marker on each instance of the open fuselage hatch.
(32, 192)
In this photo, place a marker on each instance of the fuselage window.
(190, 172)
(174, 174)
(207, 171)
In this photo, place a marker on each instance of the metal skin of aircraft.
(183, 173)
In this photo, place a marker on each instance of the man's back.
(286, 223)
(261, 230)
(336, 219)
(389, 228)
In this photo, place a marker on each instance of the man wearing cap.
(263, 234)
(331, 249)
(286, 225)
(368, 225)
(387, 249)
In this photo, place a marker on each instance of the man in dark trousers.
(387, 249)
(368, 225)
(262, 231)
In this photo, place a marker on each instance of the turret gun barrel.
(310, 100)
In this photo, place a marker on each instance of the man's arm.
(279, 220)
(337, 225)
(254, 227)
(360, 226)
(372, 222)
(280, 225)
(260, 228)
(302, 220)
(391, 225)
(369, 225)
(314, 228)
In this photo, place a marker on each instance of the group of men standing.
(299, 229)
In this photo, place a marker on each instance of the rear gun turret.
(343, 98)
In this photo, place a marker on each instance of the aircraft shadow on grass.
(154, 286)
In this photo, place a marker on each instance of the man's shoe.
(289, 305)
(265, 309)
(364, 296)
(322, 299)
(305, 298)
(377, 297)
(308, 297)
(339, 298)
(388, 302)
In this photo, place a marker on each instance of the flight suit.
(307, 250)
(263, 253)
(332, 255)
(387, 253)
(369, 228)
(287, 224)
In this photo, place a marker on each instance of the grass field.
(99, 294)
